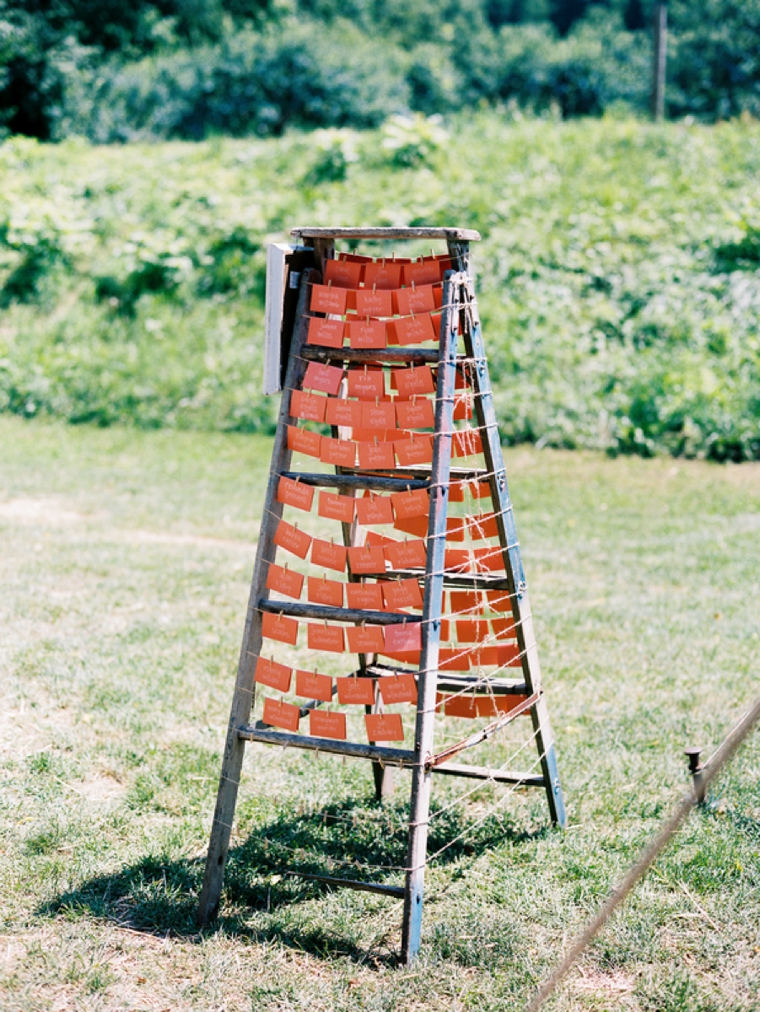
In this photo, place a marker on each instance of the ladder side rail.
(431, 617)
(243, 697)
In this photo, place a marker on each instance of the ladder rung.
(350, 883)
(389, 232)
(371, 481)
(391, 756)
(473, 581)
(455, 473)
(483, 773)
(327, 613)
(456, 683)
(316, 353)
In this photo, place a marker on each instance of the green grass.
(125, 564)
(617, 273)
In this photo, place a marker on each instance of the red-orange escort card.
(356, 258)
(343, 273)
(278, 714)
(328, 299)
(426, 272)
(479, 489)
(364, 595)
(499, 600)
(482, 526)
(311, 685)
(323, 724)
(406, 555)
(275, 675)
(342, 412)
(454, 529)
(367, 559)
(326, 333)
(403, 638)
(456, 491)
(278, 627)
(471, 630)
(376, 509)
(460, 706)
(415, 414)
(377, 302)
(484, 657)
(328, 555)
(367, 384)
(445, 629)
(419, 299)
(418, 526)
(508, 655)
(377, 415)
(366, 334)
(304, 441)
(464, 601)
(417, 450)
(376, 456)
(382, 274)
(488, 706)
(377, 540)
(336, 507)
(355, 690)
(414, 503)
(325, 637)
(466, 443)
(292, 540)
(398, 689)
(323, 591)
(341, 452)
(384, 727)
(415, 329)
(284, 581)
(295, 493)
(453, 660)
(319, 376)
(503, 628)
(365, 639)
(401, 594)
(489, 560)
(457, 560)
(414, 380)
(307, 406)
(462, 407)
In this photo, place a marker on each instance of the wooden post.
(659, 59)
(419, 807)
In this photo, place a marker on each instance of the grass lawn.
(125, 560)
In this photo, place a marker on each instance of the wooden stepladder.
(414, 322)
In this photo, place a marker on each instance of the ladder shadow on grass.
(159, 896)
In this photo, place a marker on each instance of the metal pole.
(660, 59)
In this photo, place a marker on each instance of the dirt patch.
(39, 512)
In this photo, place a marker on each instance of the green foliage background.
(617, 276)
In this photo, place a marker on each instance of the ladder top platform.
(452, 234)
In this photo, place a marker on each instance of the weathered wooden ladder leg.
(431, 618)
(243, 697)
(485, 413)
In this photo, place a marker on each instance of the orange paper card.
(415, 329)
(322, 591)
(326, 333)
(364, 595)
(303, 441)
(336, 507)
(415, 414)
(374, 303)
(343, 273)
(378, 415)
(401, 594)
(419, 299)
(384, 727)
(310, 685)
(327, 725)
(341, 452)
(484, 657)
(365, 639)
(377, 456)
(366, 384)
(275, 675)
(326, 637)
(418, 526)
(499, 600)
(283, 715)
(284, 581)
(278, 627)
(414, 380)
(503, 628)
(307, 406)
(406, 555)
(366, 334)
(508, 655)
(460, 706)
(426, 272)
(382, 274)
(457, 560)
(456, 491)
(295, 493)
(418, 450)
(455, 529)
(328, 555)
(482, 526)
(343, 412)
(328, 299)
(292, 540)
(398, 689)
(367, 559)
(319, 376)
(489, 560)
(453, 660)
(375, 509)
(472, 630)
(414, 503)
(355, 690)
(495, 706)
(466, 443)
(403, 638)
(464, 600)
(462, 407)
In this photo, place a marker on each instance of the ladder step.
(456, 683)
(350, 883)
(483, 773)
(425, 473)
(472, 581)
(327, 613)
(357, 481)
(418, 356)
(356, 750)
(388, 233)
